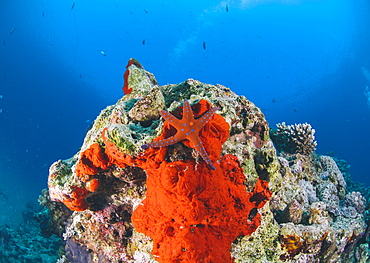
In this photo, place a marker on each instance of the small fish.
(145, 10)
(204, 45)
(227, 8)
(1, 96)
(274, 100)
(89, 127)
(102, 53)
(332, 154)
(73, 5)
(43, 13)
(4, 42)
(143, 42)
(295, 110)
(11, 31)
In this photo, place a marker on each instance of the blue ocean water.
(61, 62)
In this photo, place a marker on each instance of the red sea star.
(187, 128)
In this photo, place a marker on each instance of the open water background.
(62, 61)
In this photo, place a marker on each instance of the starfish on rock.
(187, 128)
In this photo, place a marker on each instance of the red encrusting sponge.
(192, 212)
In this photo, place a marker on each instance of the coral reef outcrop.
(31, 241)
(296, 138)
(222, 194)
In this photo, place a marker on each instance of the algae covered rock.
(219, 195)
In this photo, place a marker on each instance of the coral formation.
(297, 138)
(330, 223)
(167, 204)
(31, 241)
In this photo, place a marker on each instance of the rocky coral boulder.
(237, 201)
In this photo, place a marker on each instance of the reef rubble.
(239, 201)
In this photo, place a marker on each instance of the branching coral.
(297, 138)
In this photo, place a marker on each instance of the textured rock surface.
(310, 217)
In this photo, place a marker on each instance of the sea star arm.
(162, 143)
(207, 116)
(168, 141)
(198, 145)
(170, 118)
(187, 113)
